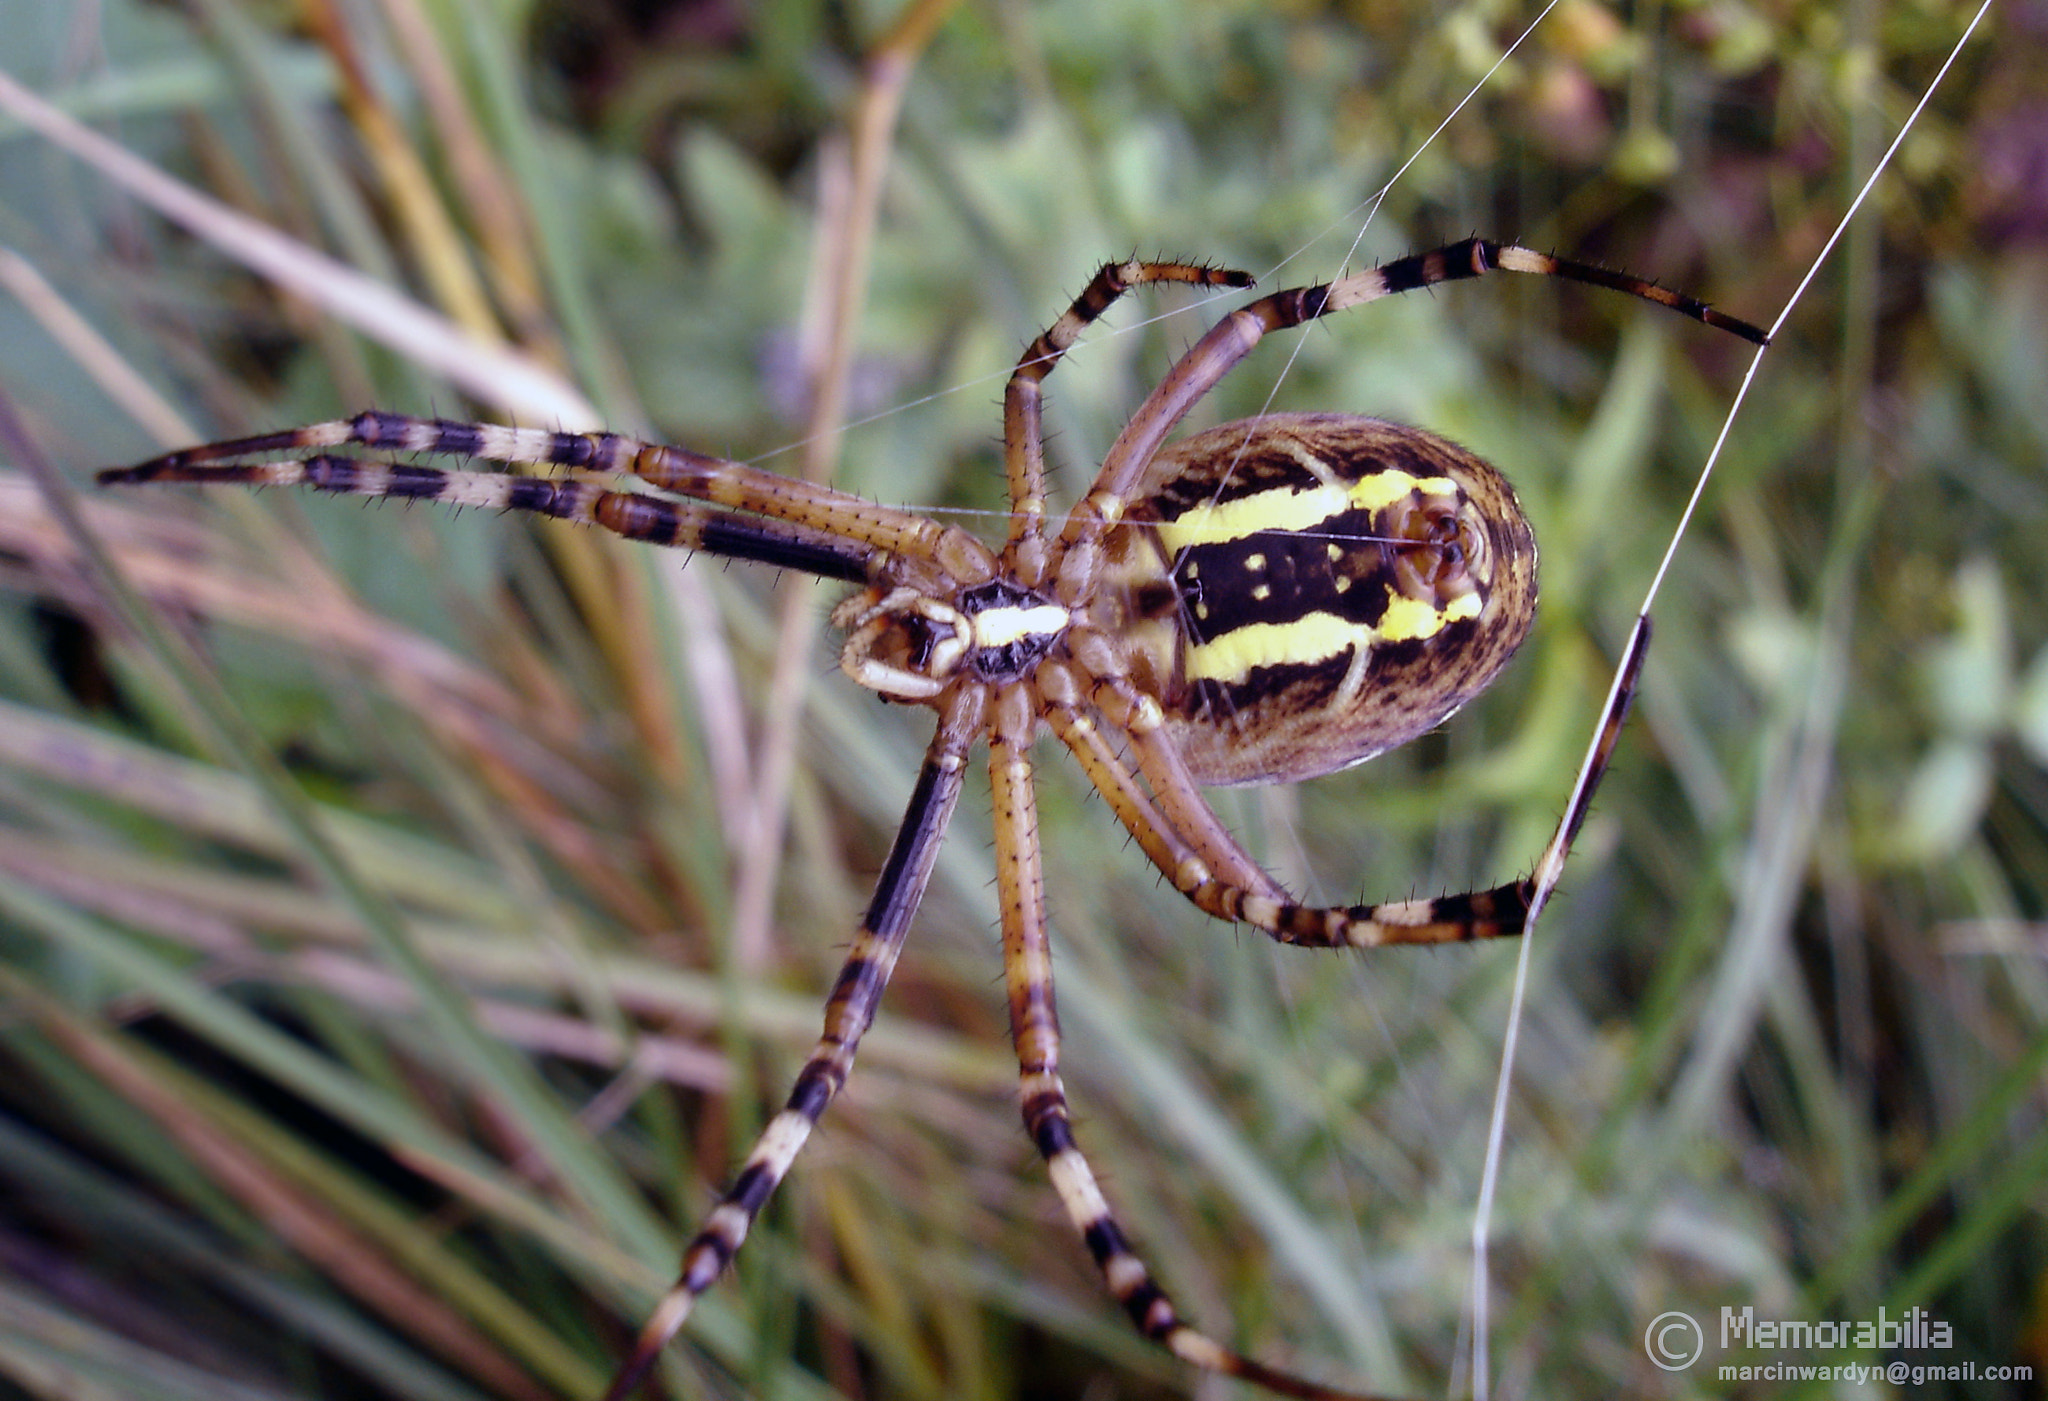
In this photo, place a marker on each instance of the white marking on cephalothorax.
(999, 627)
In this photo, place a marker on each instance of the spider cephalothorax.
(1272, 599)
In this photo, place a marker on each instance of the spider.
(1269, 600)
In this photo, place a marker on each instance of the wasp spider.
(1268, 600)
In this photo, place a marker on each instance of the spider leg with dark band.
(1269, 600)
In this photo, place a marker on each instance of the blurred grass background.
(405, 1076)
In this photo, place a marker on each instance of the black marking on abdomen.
(1295, 576)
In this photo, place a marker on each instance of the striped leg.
(1198, 861)
(637, 515)
(848, 1014)
(1023, 428)
(1486, 914)
(1234, 337)
(1034, 1027)
(1202, 862)
(814, 511)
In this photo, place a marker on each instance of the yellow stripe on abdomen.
(1292, 509)
(1311, 638)
(1318, 637)
(1410, 619)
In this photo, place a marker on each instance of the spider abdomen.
(1304, 591)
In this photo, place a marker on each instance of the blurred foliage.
(262, 1132)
